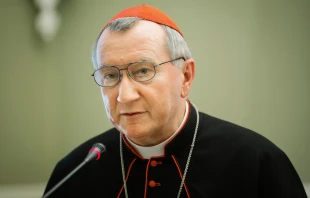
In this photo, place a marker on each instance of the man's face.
(146, 112)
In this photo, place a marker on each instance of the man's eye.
(142, 71)
(109, 76)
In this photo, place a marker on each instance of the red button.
(153, 163)
(152, 183)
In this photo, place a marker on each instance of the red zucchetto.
(148, 13)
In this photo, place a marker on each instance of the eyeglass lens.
(140, 71)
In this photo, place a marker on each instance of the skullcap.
(148, 13)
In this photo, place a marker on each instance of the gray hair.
(175, 43)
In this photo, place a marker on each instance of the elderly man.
(161, 145)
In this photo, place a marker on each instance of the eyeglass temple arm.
(170, 61)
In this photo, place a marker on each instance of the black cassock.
(227, 161)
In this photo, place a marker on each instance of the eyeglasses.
(109, 76)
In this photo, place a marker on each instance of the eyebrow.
(143, 59)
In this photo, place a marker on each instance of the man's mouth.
(131, 114)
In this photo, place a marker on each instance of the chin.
(136, 134)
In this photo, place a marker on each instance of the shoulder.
(231, 134)
(109, 138)
(223, 145)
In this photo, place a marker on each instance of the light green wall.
(252, 60)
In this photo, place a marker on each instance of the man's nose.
(127, 90)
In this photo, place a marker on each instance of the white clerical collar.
(158, 150)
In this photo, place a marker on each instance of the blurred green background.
(252, 63)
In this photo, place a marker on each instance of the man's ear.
(188, 71)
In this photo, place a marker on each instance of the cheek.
(164, 99)
(108, 102)
(171, 91)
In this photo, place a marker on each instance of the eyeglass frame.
(120, 75)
